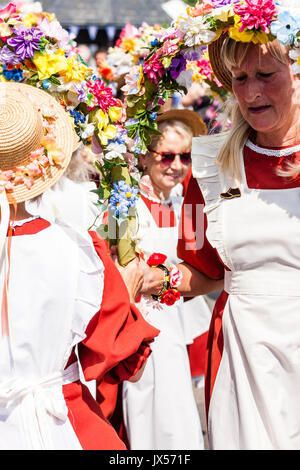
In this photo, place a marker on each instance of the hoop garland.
(35, 49)
(168, 68)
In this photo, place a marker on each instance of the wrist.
(170, 280)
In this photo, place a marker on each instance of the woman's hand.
(132, 274)
(153, 279)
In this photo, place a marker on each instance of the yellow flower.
(106, 134)
(129, 44)
(75, 70)
(246, 35)
(49, 64)
(115, 113)
(101, 119)
(30, 20)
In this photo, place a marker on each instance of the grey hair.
(81, 167)
(174, 124)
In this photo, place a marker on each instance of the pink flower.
(146, 185)
(175, 276)
(131, 161)
(128, 32)
(8, 11)
(170, 47)
(201, 9)
(170, 33)
(28, 182)
(19, 179)
(133, 82)
(256, 14)
(217, 82)
(205, 67)
(8, 174)
(211, 113)
(153, 68)
(103, 95)
(8, 17)
(33, 169)
(36, 153)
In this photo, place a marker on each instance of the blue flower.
(122, 198)
(153, 116)
(46, 84)
(285, 28)
(14, 74)
(78, 117)
(154, 42)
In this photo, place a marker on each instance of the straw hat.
(21, 131)
(217, 64)
(188, 117)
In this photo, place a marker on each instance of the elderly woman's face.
(267, 92)
(166, 173)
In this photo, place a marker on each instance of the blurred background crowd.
(102, 27)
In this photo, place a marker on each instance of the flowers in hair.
(286, 27)
(256, 14)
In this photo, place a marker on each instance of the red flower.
(170, 297)
(156, 258)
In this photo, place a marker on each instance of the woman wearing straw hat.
(58, 293)
(248, 180)
(160, 411)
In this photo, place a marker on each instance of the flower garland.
(174, 56)
(154, 63)
(169, 293)
(36, 50)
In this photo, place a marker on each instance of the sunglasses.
(168, 157)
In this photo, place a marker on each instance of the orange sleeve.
(193, 246)
(117, 338)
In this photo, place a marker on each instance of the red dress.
(116, 345)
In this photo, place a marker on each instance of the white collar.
(19, 223)
(284, 152)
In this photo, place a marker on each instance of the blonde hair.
(234, 53)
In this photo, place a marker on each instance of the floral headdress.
(36, 50)
(257, 21)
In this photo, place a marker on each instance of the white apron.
(55, 289)
(160, 411)
(255, 401)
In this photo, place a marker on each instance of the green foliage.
(191, 3)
